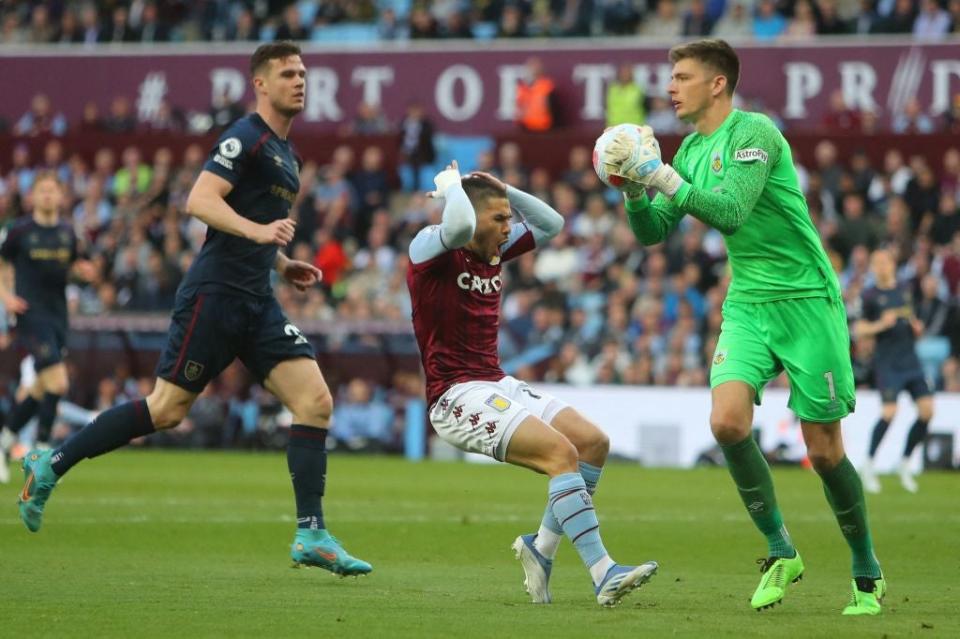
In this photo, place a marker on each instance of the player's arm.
(11, 301)
(724, 207)
(207, 203)
(651, 221)
(8, 251)
(302, 275)
(873, 321)
(542, 219)
(457, 225)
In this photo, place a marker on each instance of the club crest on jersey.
(719, 358)
(750, 155)
(485, 285)
(498, 402)
(716, 164)
(192, 370)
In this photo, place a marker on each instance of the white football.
(605, 171)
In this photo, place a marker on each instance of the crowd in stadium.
(592, 307)
(55, 21)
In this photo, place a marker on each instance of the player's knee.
(315, 409)
(166, 413)
(597, 446)
(888, 413)
(562, 457)
(925, 412)
(823, 462)
(727, 427)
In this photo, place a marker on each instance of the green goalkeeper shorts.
(806, 337)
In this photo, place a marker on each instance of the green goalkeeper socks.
(844, 492)
(752, 476)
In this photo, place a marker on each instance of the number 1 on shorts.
(833, 389)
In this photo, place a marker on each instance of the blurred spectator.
(368, 121)
(696, 22)
(134, 176)
(422, 24)
(119, 29)
(900, 20)
(621, 17)
(736, 23)
(166, 118)
(329, 257)
(90, 24)
(40, 119)
(922, 196)
(912, 119)
(946, 222)
(768, 24)
(41, 28)
(151, 29)
(12, 32)
(841, 118)
(224, 111)
(389, 27)
(292, 27)
(512, 24)
(245, 28)
(625, 98)
(803, 25)
(70, 31)
(662, 117)
(361, 421)
(120, 119)
(665, 22)
(536, 99)
(932, 23)
(866, 21)
(457, 25)
(416, 148)
(371, 187)
(829, 21)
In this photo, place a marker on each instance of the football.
(603, 170)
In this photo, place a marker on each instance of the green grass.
(140, 544)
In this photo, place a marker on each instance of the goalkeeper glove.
(641, 163)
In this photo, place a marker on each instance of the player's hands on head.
(489, 177)
(302, 275)
(445, 179)
(279, 232)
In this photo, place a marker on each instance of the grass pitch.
(142, 544)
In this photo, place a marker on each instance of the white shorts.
(481, 417)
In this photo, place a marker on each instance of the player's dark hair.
(47, 174)
(479, 190)
(271, 51)
(714, 53)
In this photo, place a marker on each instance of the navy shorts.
(891, 382)
(45, 339)
(209, 330)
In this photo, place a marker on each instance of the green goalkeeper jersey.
(741, 180)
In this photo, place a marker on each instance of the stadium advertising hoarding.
(670, 426)
(471, 90)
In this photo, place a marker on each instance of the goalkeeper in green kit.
(783, 310)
